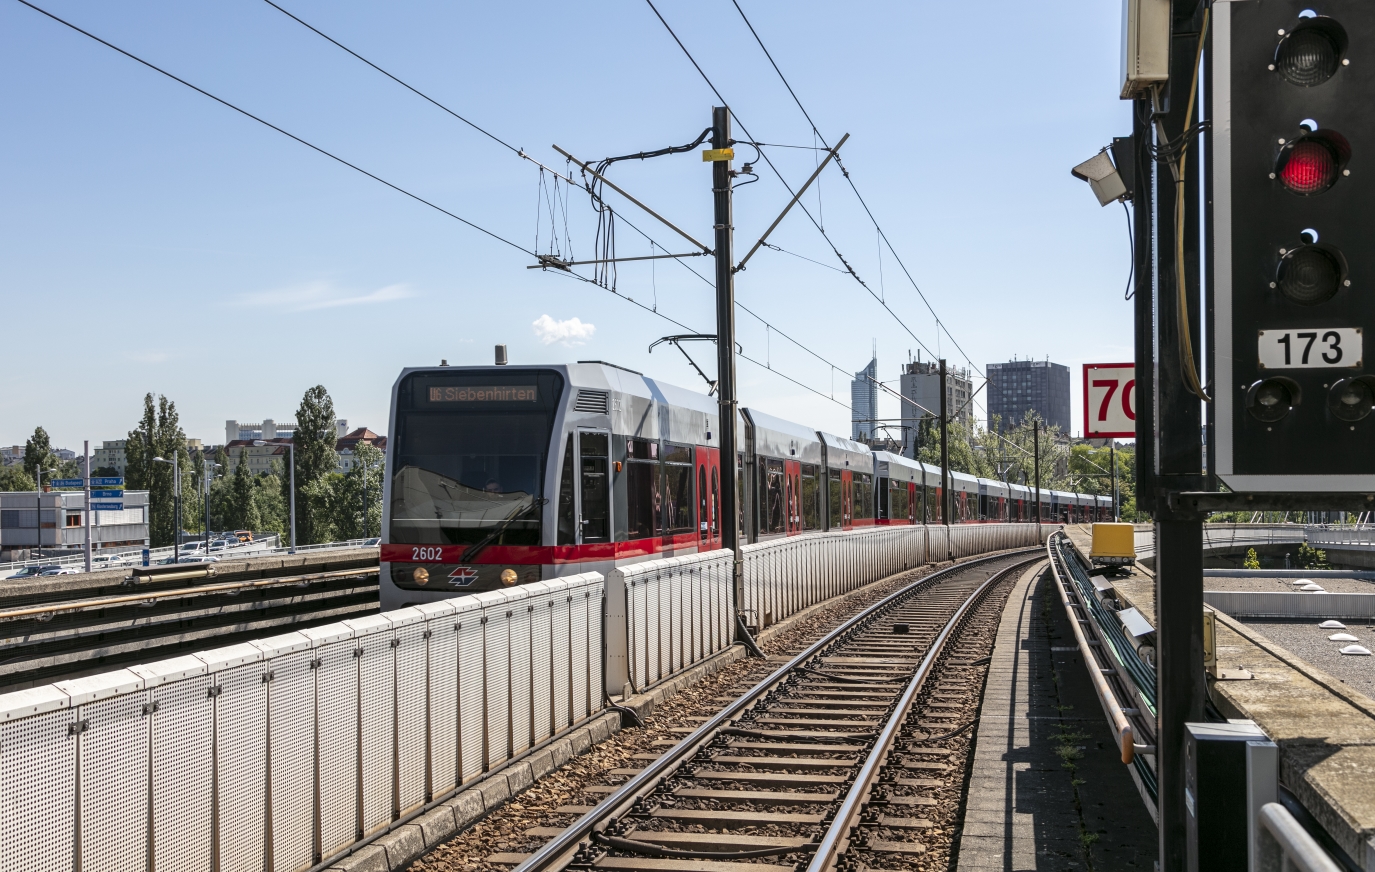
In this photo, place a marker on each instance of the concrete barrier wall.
(292, 748)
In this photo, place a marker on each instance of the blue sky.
(153, 240)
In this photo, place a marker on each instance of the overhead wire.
(285, 133)
(604, 239)
(817, 132)
(836, 251)
(379, 179)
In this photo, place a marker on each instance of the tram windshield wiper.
(477, 547)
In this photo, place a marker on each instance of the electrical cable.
(381, 180)
(1131, 240)
(398, 81)
(1186, 344)
(285, 133)
(836, 251)
(939, 323)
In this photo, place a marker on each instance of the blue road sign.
(68, 482)
(107, 494)
(108, 481)
(106, 507)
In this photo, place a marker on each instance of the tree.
(240, 509)
(357, 509)
(39, 454)
(314, 458)
(159, 434)
(14, 478)
(1252, 560)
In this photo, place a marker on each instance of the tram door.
(847, 501)
(594, 486)
(708, 462)
(792, 489)
(912, 509)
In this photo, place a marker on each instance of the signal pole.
(725, 350)
(1036, 467)
(945, 456)
(1181, 686)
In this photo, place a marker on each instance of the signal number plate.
(1310, 348)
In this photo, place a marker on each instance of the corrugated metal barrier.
(292, 748)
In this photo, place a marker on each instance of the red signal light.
(1312, 162)
(1310, 168)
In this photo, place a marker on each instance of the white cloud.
(570, 332)
(325, 295)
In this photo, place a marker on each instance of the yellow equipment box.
(1113, 544)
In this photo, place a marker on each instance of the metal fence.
(664, 616)
(295, 747)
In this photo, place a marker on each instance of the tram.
(502, 475)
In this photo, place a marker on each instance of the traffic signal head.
(1290, 140)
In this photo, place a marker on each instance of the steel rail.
(832, 843)
(1111, 707)
(657, 772)
(224, 587)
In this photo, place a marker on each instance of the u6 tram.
(505, 475)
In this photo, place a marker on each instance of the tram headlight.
(508, 577)
(421, 575)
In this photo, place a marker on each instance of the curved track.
(821, 765)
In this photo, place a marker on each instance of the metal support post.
(1036, 468)
(86, 462)
(1181, 687)
(1112, 472)
(1143, 303)
(946, 501)
(176, 506)
(725, 354)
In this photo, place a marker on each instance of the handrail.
(1292, 842)
(105, 602)
(1111, 707)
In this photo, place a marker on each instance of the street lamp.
(205, 487)
(176, 503)
(38, 473)
(259, 443)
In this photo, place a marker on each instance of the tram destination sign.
(483, 393)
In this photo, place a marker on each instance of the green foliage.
(1252, 560)
(159, 434)
(1312, 558)
(357, 498)
(39, 454)
(315, 459)
(14, 478)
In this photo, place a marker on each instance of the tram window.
(882, 497)
(863, 496)
(567, 514)
(642, 495)
(715, 502)
(677, 489)
(771, 496)
(899, 501)
(836, 497)
(596, 494)
(641, 449)
(811, 514)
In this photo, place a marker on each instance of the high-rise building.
(864, 402)
(921, 384)
(1021, 386)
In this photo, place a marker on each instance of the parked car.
(199, 558)
(31, 571)
(244, 535)
(373, 542)
(59, 570)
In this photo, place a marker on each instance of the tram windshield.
(469, 457)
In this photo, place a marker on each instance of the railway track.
(849, 754)
(53, 635)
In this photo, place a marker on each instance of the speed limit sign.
(1109, 400)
